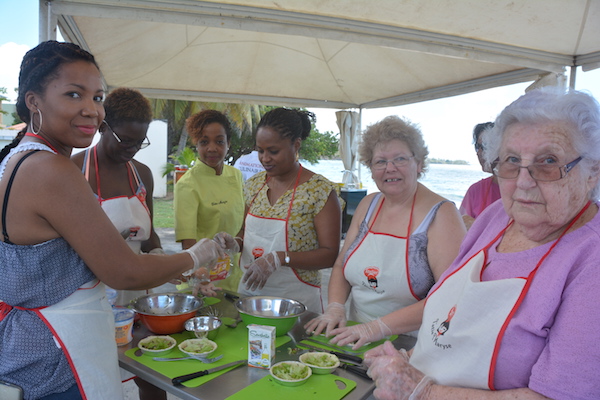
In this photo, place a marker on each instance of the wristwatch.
(287, 258)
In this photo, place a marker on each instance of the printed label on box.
(261, 345)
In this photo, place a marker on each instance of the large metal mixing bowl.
(166, 313)
(279, 312)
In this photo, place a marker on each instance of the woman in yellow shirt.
(209, 197)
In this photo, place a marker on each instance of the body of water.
(447, 180)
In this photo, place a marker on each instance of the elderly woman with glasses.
(399, 243)
(516, 314)
(124, 186)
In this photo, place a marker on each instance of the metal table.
(231, 382)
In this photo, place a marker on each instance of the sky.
(446, 124)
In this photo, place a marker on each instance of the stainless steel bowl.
(166, 313)
(204, 327)
(279, 312)
(167, 304)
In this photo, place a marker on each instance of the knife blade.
(183, 378)
(337, 348)
(343, 356)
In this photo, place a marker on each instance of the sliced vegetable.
(320, 360)
(291, 371)
(156, 343)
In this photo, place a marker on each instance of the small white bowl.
(193, 347)
(278, 372)
(320, 363)
(156, 346)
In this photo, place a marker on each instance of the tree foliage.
(244, 119)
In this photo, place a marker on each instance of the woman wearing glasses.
(483, 193)
(122, 185)
(399, 242)
(523, 292)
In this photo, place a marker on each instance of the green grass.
(164, 217)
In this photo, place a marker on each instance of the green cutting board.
(232, 343)
(316, 387)
(359, 352)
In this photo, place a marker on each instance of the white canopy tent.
(327, 53)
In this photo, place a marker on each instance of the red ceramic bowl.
(166, 313)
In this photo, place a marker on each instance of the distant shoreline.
(429, 160)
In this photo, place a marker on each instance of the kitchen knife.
(342, 356)
(355, 370)
(180, 379)
(333, 346)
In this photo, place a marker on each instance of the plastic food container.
(123, 325)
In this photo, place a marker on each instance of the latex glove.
(361, 334)
(334, 316)
(206, 251)
(201, 285)
(260, 270)
(227, 241)
(393, 375)
(157, 250)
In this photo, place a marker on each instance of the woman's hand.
(260, 270)
(361, 334)
(394, 377)
(334, 316)
(227, 241)
(206, 251)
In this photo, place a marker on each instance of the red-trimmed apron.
(126, 213)
(465, 319)
(263, 235)
(374, 270)
(83, 327)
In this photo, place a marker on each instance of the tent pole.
(359, 140)
(573, 77)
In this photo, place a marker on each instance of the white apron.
(127, 214)
(91, 352)
(264, 235)
(377, 270)
(465, 319)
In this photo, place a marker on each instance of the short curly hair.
(393, 128)
(127, 105)
(197, 122)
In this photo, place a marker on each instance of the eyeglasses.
(129, 143)
(397, 162)
(538, 171)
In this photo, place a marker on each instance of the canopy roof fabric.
(327, 53)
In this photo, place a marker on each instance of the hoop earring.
(40, 127)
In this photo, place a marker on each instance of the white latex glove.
(260, 270)
(206, 251)
(227, 241)
(334, 316)
(393, 375)
(157, 250)
(361, 334)
(203, 285)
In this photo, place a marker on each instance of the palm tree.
(243, 117)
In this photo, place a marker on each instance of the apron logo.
(134, 231)
(257, 252)
(371, 274)
(439, 329)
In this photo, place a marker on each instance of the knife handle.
(183, 378)
(356, 370)
(343, 356)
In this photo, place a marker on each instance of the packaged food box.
(261, 346)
